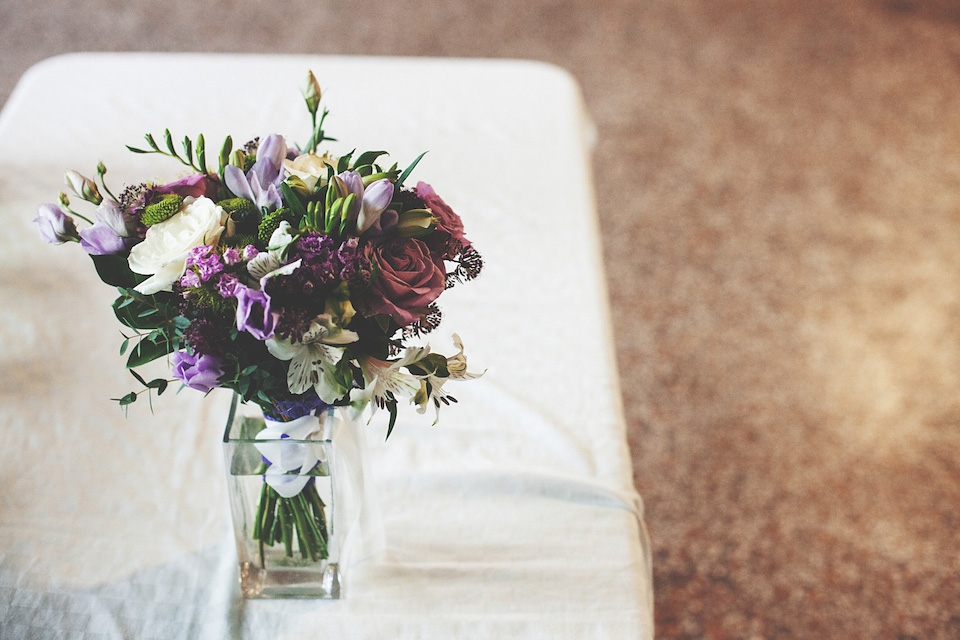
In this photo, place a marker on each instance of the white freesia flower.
(163, 252)
(313, 359)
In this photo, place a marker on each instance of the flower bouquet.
(294, 278)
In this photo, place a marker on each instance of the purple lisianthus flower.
(111, 214)
(260, 185)
(254, 314)
(56, 227)
(101, 239)
(200, 372)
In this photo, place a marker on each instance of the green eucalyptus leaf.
(147, 351)
(114, 270)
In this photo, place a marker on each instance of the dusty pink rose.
(447, 221)
(408, 280)
(197, 185)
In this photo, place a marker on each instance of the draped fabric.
(514, 517)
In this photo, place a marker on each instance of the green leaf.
(135, 150)
(153, 143)
(188, 149)
(201, 153)
(168, 138)
(344, 162)
(138, 377)
(130, 398)
(147, 351)
(368, 157)
(406, 172)
(124, 345)
(114, 270)
(134, 313)
(159, 384)
(392, 408)
(292, 200)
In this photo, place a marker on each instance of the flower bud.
(63, 199)
(101, 169)
(56, 227)
(83, 187)
(312, 93)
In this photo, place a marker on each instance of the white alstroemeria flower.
(431, 390)
(313, 359)
(288, 456)
(381, 376)
(269, 264)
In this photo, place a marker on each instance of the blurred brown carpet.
(779, 190)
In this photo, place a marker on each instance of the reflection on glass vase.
(287, 483)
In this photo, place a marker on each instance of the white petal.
(282, 349)
(262, 265)
(287, 486)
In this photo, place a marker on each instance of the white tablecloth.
(515, 517)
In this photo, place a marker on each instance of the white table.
(515, 517)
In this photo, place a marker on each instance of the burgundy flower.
(196, 185)
(447, 221)
(408, 280)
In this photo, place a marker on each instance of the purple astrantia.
(254, 314)
(56, 227)
(260, 185)
(200, 372)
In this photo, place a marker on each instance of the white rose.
(163, 252)
(310, 168)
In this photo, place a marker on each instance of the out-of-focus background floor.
(779, 192)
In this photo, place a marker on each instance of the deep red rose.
(408, 279)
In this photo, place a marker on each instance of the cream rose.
(163, 252)
(310, 168)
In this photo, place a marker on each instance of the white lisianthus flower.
(310, 168)
(163, 252)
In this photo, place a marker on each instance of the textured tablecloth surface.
(514, 517)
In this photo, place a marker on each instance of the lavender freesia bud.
(56, 227)
(83, 187)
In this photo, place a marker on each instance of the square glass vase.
(288, 541)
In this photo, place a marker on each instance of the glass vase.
(285, 515)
